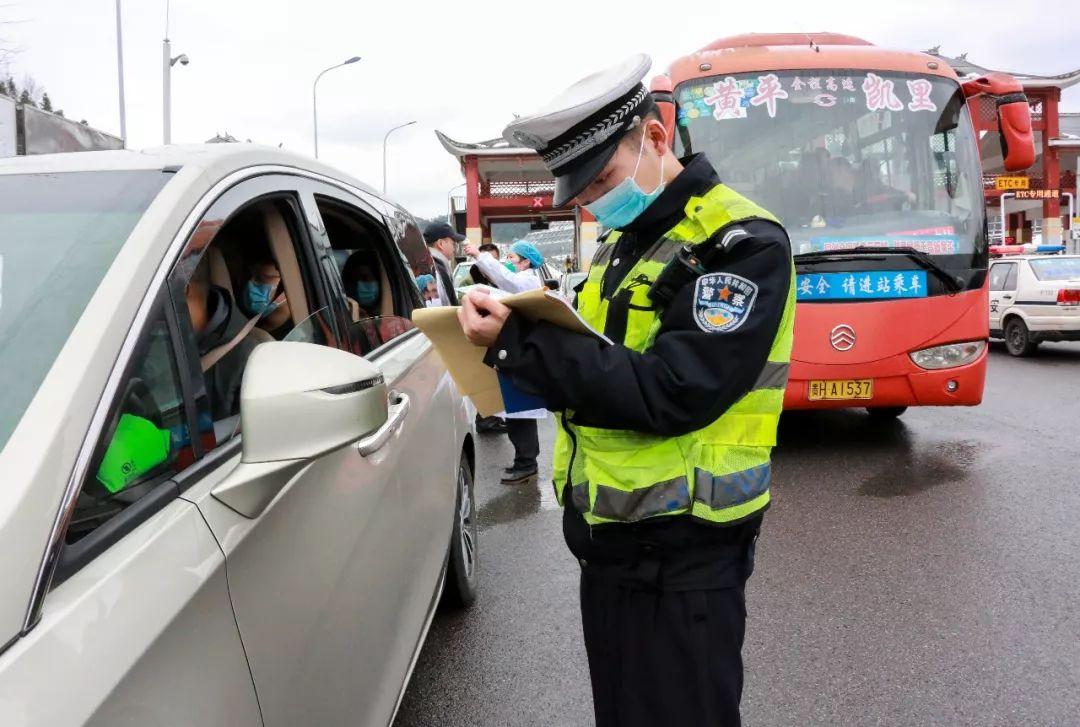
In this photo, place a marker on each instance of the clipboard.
(465, 362)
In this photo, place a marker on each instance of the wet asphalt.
(920, 572)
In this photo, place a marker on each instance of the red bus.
(869, 158)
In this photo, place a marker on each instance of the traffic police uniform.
(662, 454)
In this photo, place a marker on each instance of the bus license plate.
(841, 389)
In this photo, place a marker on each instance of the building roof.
(491, 147)
(964, 67)
(226, 139)
(557, 240)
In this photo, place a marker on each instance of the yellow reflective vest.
(719, 473)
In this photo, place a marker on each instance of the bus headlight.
(948, 356)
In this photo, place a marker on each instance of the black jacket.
(687, 379)
(224, 377)
(446, 275)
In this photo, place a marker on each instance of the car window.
(251, 281)
(147, 439)
(1056, 268)
(379, 288)
(998, 274)
(1010, 281)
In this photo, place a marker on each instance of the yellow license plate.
(841, 389)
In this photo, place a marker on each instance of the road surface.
(921, 572)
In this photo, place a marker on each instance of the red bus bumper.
(885, 333)
(914, 387)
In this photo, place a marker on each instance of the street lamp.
(315, 103)
(399, 126)
(120, 74)
(167, 62)
(450, 203)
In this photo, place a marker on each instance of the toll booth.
(1042, 200)
(504, 183)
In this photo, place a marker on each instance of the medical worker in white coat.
(520, 426)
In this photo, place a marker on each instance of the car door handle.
(1007, 297)
(395, 417)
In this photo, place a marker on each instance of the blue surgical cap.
(528, 251)
(422, 281)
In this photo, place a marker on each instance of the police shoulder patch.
(723, 301)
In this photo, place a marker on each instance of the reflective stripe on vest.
(719, 473)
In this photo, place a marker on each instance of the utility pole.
(120, 73)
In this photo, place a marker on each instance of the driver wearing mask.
(218, 321)
(262, 295)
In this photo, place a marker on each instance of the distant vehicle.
(870, 158)
(1034, 298)
(179, 552)
(569, 282)
(463, 272)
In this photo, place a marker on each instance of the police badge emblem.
(722, 301)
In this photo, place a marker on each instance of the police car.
(1034, 298)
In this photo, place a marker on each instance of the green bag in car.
(137, 447)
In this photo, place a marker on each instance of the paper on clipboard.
(465, 362)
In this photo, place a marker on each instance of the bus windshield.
(845, 158)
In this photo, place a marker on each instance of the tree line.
(28, 94)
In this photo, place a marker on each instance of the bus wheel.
(883, 413)
(1018, 340)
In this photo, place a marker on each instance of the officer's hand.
(482, 318)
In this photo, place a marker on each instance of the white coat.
(512, 282)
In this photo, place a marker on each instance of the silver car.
(235, 480)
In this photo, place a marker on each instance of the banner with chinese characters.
(1038, 193)
(1012, 182)
(866, 285)
(930, 244)
(737, 96)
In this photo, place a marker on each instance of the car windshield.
(845, 158)
(1057, 268)
(59, 233)
(461, 274)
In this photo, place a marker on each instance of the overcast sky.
(462, 67)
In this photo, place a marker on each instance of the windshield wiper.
(926, 261)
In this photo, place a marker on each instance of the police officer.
(662, 453)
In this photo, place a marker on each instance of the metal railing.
(518, 188)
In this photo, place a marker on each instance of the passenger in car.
(361, 279)
(218, 326)
(263, 295)
(429, 292)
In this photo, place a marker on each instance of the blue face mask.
(625, 202)
(367, 292)
(256, 298)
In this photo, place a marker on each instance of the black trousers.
(526, 440)
(663, 653)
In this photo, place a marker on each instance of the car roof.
(1010, 258)
(214, 161)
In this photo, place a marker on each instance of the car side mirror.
(301, 400)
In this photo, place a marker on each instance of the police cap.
(577, 132)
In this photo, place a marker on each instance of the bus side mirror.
(665, 104)
(1013, 117)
